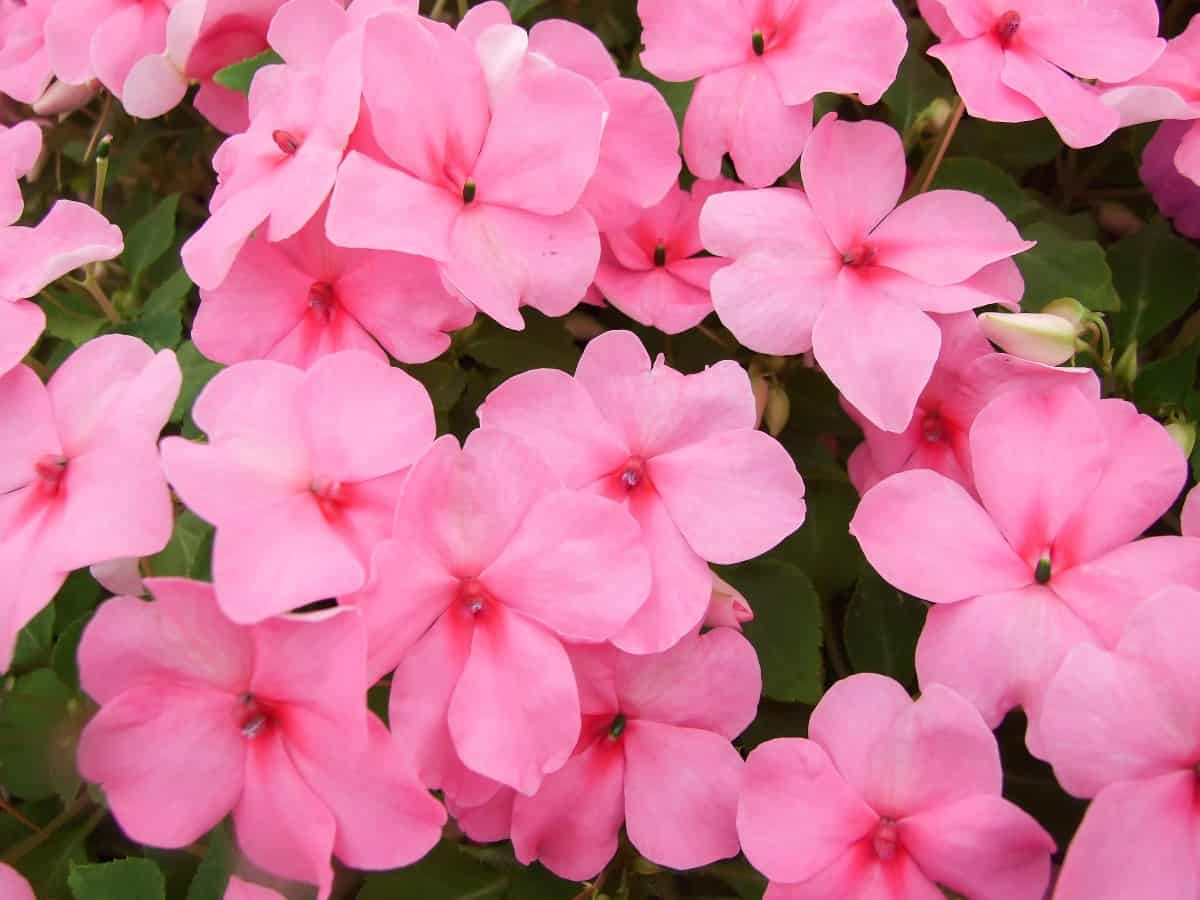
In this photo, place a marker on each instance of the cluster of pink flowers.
(563, 660)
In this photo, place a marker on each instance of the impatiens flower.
(80, 481)
(103, 39)
(679, 451)
(760, 65)
(1177, 195)
(654, 755)
(303, 298)
(244, 890)
(1123, 727)
(727, 608)
(1020, 60)
(24, 63)
(967, 377)
(300, 475)
(639, 153)
(491, 565)
(483, 162)
(1048, 557)
(651, 270)
(888, 799)
(200, 717)
(843, 271)
(13, 886)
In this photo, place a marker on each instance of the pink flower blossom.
(968, 376)
(1047, 559)
(80, 481)
(1020, 60)
(760, 65)
(24, 63)
(654, 755)
(244, 890)
(1177, 195)
(1123, 727)
(300, 475)
(491, 565)
(13, 886)
(20, 147)
(303, 298)
(888, 799)
(267, 721)
(651, 270)
(843, 271)
(103, 39)
(679, 451)
(454, 181)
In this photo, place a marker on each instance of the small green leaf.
(786, 629)
(1013, 146)
(161, 321)
(71, 317)
(447, 873)
(212, 876)
(122, 879)
(64, 658)
(519, 9)
(882, 627)
(150, 237)
(918, 84)
(1167, 384)
(1157, 275)
(184, 554)
(238, 76)
(1060, 266)
(39, 727)
(543, 344)
(198, 370)
(988, 180)
(34, 641)
(444, 382)
(824, 548)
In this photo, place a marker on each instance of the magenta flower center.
(860, 255)
(50, 470)
(1007, 26)
(886, 839)
(472, 597)
(321, 300)
(933, 427)
(254, 718)
(634, 473)
(330, 494)
(285, 141)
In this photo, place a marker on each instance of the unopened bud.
(1126, 368)
(761, 388)
(61, 98)
(1183, 433)
(778, 411)
(1070, 309)
(1118, 219)
(582, 326)
(1038, 337)
(727, 608)
(930, 121)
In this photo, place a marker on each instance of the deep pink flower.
(80, 481)
(843, 271)
(680, 451)
(200, 717)
(455, 183)
(968, 375)
(1177, 195)
(760, 64)
(1019, 60)
(639, 153)
(654, 755)
(1049, 558)
(24, 63)
(651, 270)
(244, 890)
(886, 800)
(303, 298)
(300, 475)
(491, 565)
(13, 886)
(1123, 727)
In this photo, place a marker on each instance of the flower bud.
(582, 326)
(60, 97)
(1126, 368)
(1118, 219)
(1070, 309)
(761, 388)
(1184, 434)
(727, 608)
(1038, 337)
(778, 411)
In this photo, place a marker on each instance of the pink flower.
(1177, 195)
(1190, 517)
(967, 377)
(200, 717)
(760, 65)
(1020, 60)
(491, 565)
(1047, 559)
(654, 755)
(300, 475)
(24, 63)
(843, 271)
(13, 886)
(454, 180)
(679, 451)
(20, 147)
(651, 270)
(80, 481)
(244, 890)
(639, 153)
(888, 799)
(727, 608)
(1123, 727)
(103, 39)
(303, 298)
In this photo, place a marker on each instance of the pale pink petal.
(244, 890)
(686, 39)
(1190, 517)
(1077, 112)
(27, 428)
(155, 86)
(1160, 634)
(13, 886)
(119, 576)
(858, 873)
(573, 47)
(487, 822)
(856, 715)
(1111, 43)
(734, 223)
(21, 324)
(976, 66)
(70, 235)
(303, 31)
(209, 254)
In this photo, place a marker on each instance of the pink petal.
(244, 890)
(490, 821)
(686, 39)
(981, 846)
(1190, 517)
(858, 873)
(735, 223)
(657, 298)
(70, 235)
(26, 429)
(927, 536)
(514, 716)
(1112, 43)
(573, 47)
(976, 66)
(209, 254)
(21, 324)
(303, 31)
(13, 885)
(1078, 114)
(1159, 634)
(1138, 839)
(572, 823)
(681, 794)
(856, 715)
(796, 814)
(155, 86)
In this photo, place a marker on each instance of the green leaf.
(535, 883)
(122, 879)
(212, 877)
(150, 237)
(78, 596)
(881, 629)
(34, 640)
(70, 317)
(444, 382)
(446, 873)
(161, 321)
(197, 372)
(1167, 384)
(987, 179)
(1157, 275)
(1060, 266)
(824, 547)
(39, 727)
(544, 344)
(918, 84)
(1013, 146)
(64, 659)
(238, 76)
(740, 876)
(185, 554)
(519, 9)
(786, 629)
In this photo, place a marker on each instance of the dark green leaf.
(238, 76)
(740, 876)
(917, 85)
(1015, 147)
(212, 877)
(39, 725)
(71, 317)
(519, 9)
(1157, 275)
(64, 658)
(982, 177)
(185, 550)
(446, 873)
(34, 641)
(150, 237)
(535, 883)
(197, 372)
(161, 321)
(77, 597)
(445, 382)
(1060, 266)
(122, 879)
(882, 627)
(1166, 384)
(786, 629)
(824, 547)
(543, 344)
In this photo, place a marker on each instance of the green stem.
(19, 850)
(933, 163)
